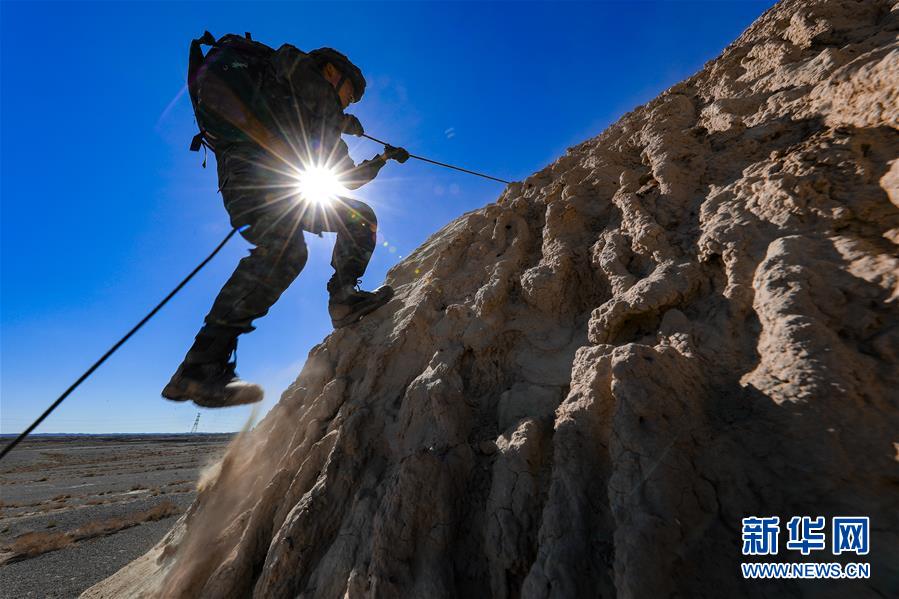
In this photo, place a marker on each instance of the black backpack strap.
(197, 59)
(196, 142)
(195, 63)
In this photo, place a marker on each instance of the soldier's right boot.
(207, 378)
(348, 304)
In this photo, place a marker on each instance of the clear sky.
(104, 209)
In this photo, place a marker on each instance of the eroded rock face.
(580, 390)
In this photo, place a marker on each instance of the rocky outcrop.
(581, 389)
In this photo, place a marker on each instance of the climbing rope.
(159, 306)
(443, 164)
(118, 344)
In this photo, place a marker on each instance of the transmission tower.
(196, 422)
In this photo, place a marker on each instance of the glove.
(351, 126)
(398, 154)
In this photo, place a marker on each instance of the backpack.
(225, 88)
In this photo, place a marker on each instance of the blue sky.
(104, 209)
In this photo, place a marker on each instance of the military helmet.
(349, 70)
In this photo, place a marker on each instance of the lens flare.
(319, 185)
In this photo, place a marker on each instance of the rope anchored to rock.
(443, 164)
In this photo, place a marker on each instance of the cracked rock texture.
(581, 389)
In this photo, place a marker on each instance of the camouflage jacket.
(305, 117)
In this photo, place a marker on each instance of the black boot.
(211, 386)
(348, 304)
(207, 377)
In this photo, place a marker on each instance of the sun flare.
(319, 185)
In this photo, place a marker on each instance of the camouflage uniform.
(301, 122)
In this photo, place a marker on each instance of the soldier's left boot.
(207, 377)
(211, 386)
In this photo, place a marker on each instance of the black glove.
(398, 154)
(351, 126)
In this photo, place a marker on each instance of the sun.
(319, 185)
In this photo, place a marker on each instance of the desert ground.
(74, 509)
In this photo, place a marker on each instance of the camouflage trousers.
(258, 191)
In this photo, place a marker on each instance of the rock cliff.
(581, 389)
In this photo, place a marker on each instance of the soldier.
(263, 141)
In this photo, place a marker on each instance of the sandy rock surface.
(581, 389)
